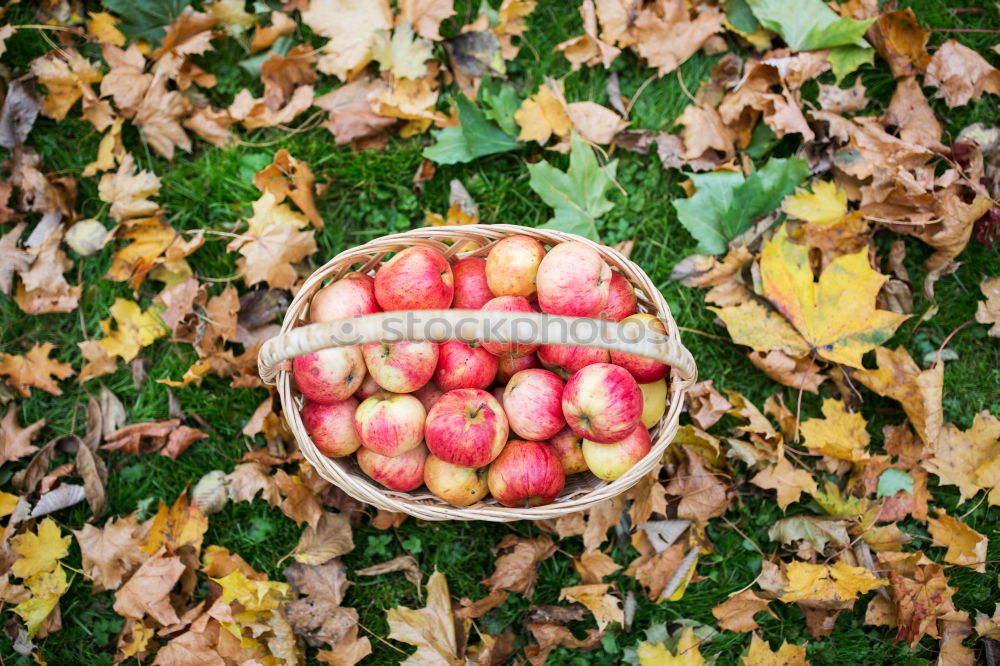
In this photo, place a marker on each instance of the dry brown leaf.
(111, 553)
(706, 405)
(283, 74)
(272, 243)
(147, 592)
(960, 74)
(781, 110)
(515, 571)
(910, 112)
(331, 537)
(919, 392)
(969, 459)
(176, 526)
(98, 361)
(966, 547)
(351, 115)
(790, 482)
(264, 36)
(43, 288)
(67, 77)
(648, 497)
(212, 125)
(798, 373)
(246, 479)
(431, 629)
(604, 606)
(835, 99)
(159, 116)
(593, 566)
(736, 613)
(703, 132)
(300, 504)
(292, 178)
(666, 36)
(703, 494)
(543, 114)
(15, 441)
(350, 28)
(550, 636)
(588, 49)
(405, 563)
(12, 259)
(129, 192)
(425, 15)
(254, 113)
(901, 41)
(34, 369)
(988, 311)
(595, 123)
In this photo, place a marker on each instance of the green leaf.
(501, 103)
(892, 481)
(725, 204)
(145, 19)
(846, 59)
(576, 195)
(475, 136)
(740, 16)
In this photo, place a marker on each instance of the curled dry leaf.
(147, 592)
(604, 606)
(249, 478)
(960, 74)
(918, 392)
(350, 113)
(593, 566)
(736, 613)
(292, 178)
(431, 629)
(703, 494)
(176, 526)
(331, 537)
(706, 405)
(588, 48)
(516, 571)
(43, 288)
(798, 373)
(966, 547)
(300, 504)
(405, 563)
(550, 636)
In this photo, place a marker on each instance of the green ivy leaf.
(725, 204)
(475, 136)
(577, 195)
(892, 481)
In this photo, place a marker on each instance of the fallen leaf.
(798, 373)
(666, 36)
(988, 311)
(706, 405)
(351, 116)
(966, 547)
(550, 636)
(431, 629)
(736, 613)
(110, 554)
(254, 113)
(918, 392)
(12, 259)
(840, 434)
(19, 110)
(922, 596)
(39, 552)
(960, 74)
(542, 115)
(247, 479)
(264, 36)
(34, 369)
(603, 605)
(43, 288)
(98, 362)
(405, 563)
(704, 494)
(901, 41)
(176, 526)
(129, 192)
(46, 587)
(909, 111)
(425, 15)
(760, 654)
(817, 532)
(15, 441)
(404, 55)
(515, 571)
(133, 330)
(593, 566)
(588, 48)
(350, 29)
(292, 178)
(300, 503)
(790, 482)
(686, 652)
(843, 100)
(283, 74)
(823, 582)
(272, 243)
(149, 238)
(67, 77)
(825, 204)
(331, 537)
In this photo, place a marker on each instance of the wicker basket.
(582, 490)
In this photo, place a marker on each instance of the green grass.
(370, 194)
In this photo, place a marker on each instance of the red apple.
(418, 278)
(403, 473)
(401, 367)
(508, 304)
(390, 424)
(353, 294)
(368, 388)
(455, 484)
(464, 366)
(573, 280)
(471, 289)
(508, 366)
(533, 404)
(329, 375)
(609, 461)
(621, 299)
(645, 370)
(564, 360)
(569, 448)
(526, 474)
(602, 403)
(331, 427)
(512, 264)
(428, 394)
(466, 427)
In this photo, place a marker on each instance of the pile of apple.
(466, 419)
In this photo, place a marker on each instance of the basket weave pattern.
(582, 490)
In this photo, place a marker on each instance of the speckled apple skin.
(526, 474)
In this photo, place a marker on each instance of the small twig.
(937, 355)
(962, 517)
(680, 79)
(798, 402)
(702, 333)
(399, 650)
(639, 91)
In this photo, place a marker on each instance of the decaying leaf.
(431, 629)
(272, 243)
(331, 537)
(34, 369)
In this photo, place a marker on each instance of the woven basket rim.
(581, 492)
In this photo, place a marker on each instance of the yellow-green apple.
(390, 424)
(564, 360)
(621, 299)
(573, 280)
(533, 404)
(569, 448)
(428, 394)
(654, 402)
(353, 294)
(609, 461)
(508, 366)
(466, 427)
(512, 264)
(602, 403)
(508, 304)
(418, 278)
(331, 427)
(403, 473)
(461, 365)
(329, 375)
(401, 367)
(368, 388)
(645, 370)
(455, 484)
(471, 288)
(526, 474)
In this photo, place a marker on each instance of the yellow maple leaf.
(350, 26)
(133, 329)
(182, 524)
(823, 582)
(34, 368)
(834, 317)
(969, 459)
(789, 482)
(542, 115)
(604, 606)
(760, 654)
(129, 191)
(39, 552)
(404, 55)
(966, 546)
(149, 238)
(431, 629)
(826, 204)
(67, 76)
(7, 503)
(686, 653)
(46, 588)
(840, 433)
(253, 595)
(101, 27)
(137, 639)
(272, 243)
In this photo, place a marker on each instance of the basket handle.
(473, 325)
